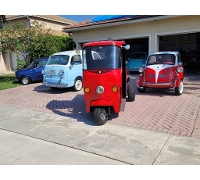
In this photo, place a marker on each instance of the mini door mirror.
(127, 47)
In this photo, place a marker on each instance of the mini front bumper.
(156, 85)
(56, 85)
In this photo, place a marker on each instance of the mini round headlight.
(141, 69)
(99, 90)
(43, 72)
(61, 72)
(180, 69)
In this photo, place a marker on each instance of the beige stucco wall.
(24, 20)
(2, 63)
(152, 30)
(56, 27)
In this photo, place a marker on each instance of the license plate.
(52, 72)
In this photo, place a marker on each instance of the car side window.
(39, 64)
(76, 60)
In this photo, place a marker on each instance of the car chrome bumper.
(157, 85)
(56, 85)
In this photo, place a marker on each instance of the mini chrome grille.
(52, 72)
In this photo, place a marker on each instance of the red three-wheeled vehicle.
(105, 78)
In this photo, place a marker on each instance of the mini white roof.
(165, 52)
(69, 53)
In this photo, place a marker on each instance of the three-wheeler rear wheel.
(131, 92)
(100, 115)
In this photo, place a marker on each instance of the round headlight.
(141, 69)
(43, 72)
(61, 72)
(180, 69)
(99, 90)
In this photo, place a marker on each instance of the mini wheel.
(25, 80)
(131, 93)
(100, 116)
(141, 90)
(78, 85)
(179, 89)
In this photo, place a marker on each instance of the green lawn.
(8, 81)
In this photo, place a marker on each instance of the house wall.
(2, 63)
(24, 20)
(151, 29)
(56, 27)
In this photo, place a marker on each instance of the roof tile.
(89, 23)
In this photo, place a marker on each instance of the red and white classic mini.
(162, 70)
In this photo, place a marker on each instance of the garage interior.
(137, 45)
(187, 44)
(189, 47)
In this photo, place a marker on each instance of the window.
(161, 59)
(58, 60)
(76, 60)
(98, 57)
(39, 64)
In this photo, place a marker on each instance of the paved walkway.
(30, 137)
(43, 126)
(156, 109)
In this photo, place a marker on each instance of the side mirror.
(127, 47)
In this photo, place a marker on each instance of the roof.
(70, 53)
(47, 17)
(165, 52)
(91, 23)
(104, 43)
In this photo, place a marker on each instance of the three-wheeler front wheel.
(100, 115)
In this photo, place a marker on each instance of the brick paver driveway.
(156, 109)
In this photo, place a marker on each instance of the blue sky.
(78, 18)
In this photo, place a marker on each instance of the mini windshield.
(58, 60)
(161, 59)
(102, 57)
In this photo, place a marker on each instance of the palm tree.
(2, 20)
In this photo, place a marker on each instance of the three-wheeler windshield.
(102, 57)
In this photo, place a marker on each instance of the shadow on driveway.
(46, 89)
(74, 108)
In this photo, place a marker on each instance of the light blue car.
(136, 60)
(63, 70)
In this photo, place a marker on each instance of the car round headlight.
(141, 69)
(61, 72)
(180, 69)
(99, 90)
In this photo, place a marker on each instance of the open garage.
(137, 45)
(147, 33)
(187, 44)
